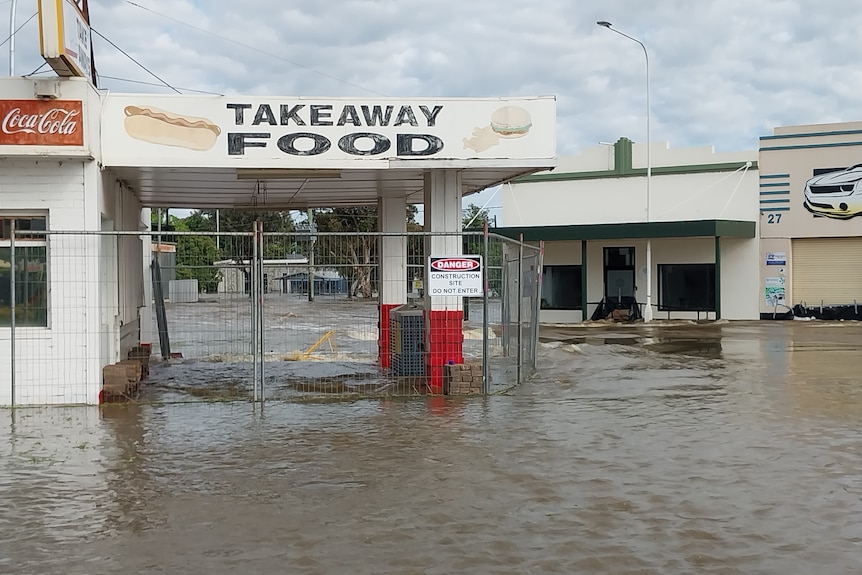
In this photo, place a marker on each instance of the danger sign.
(458, 276)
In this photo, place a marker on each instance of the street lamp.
(12, 39)
(648, 306)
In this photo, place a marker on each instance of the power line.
(155, 84)
(18, 29)
(96, 32)
(36, 71)
(249, 47)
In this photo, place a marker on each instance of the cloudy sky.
(722, 72)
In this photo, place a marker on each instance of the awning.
(636, 230)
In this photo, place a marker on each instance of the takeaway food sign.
(165, 130)
(41, 123)
(459, 276)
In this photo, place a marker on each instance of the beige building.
(811, 233)
(688, 242)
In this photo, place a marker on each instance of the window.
(686, 287)
(619, 258)
(561, 287)
(31, 272)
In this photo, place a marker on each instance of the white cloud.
(722, 73)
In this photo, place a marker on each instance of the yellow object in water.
(300, 356)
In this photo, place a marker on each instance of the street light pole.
(12, 39)
(648, 306)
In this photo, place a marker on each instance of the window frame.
(578, 275)
(710, 270)
(38, 241)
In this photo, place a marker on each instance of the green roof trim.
(635, 172)
(636, 230)
(623, 168)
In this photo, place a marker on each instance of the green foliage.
(242, 220)
(195, 256)
(200, 221)
(361, 219)
(412, 224)
(475, 217)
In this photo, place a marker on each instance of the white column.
(444, 317)
(392, 292)
(146, 312)
(443, 215)
(392, 218)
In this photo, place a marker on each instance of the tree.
(238, 248)
(243, 220)
(199, 221)
(412, 224)
(415, 245)
(474, 218)
(195, 257)
(358, 251)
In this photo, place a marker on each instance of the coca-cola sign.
(41, 123)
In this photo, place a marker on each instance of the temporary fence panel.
(286, 316)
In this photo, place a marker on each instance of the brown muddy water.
(732, 449)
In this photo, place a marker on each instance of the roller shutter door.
(827, 270)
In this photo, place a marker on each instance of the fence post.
(12, 305)
(311, 243)
(261, 286)
(486, 379)
(520, 280)
(505, 329)
(537, 304)
(254, 308)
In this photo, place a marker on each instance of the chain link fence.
(252, 316)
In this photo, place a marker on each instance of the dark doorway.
(619, 266)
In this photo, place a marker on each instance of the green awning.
(637, 230)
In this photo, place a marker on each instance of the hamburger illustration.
(511, 121)
(507, 122)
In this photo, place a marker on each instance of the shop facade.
(810, 190)
(699, 224)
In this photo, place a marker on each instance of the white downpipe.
(648, 306)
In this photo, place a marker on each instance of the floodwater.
(326, 347)
(731, 449)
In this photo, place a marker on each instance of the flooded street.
(729, 448)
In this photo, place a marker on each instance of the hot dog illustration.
(156, 126)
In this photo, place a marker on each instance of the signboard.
(41, 123)
(776, 259)
(458, 276)
(774, 295)
(64, 34)
(254, 132)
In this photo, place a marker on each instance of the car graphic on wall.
(835, 194)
